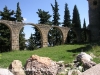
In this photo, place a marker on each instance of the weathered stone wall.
(94, 19)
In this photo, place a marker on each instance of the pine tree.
(55, 33)
(84, 32)
(5, 39)
(44, 17)
(76, 18)
(67, 20)
(7, 14)
(56, 15)
(84, 24)
(19, 18)
(31, 43)
(37, 37)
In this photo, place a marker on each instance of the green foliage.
(72, 38)
(31, 43)
(56, 15)
(5, 40)
(54, 37)
(18, 16)
(22, 41)
(7, 14)
(44, 17)
(84, 24)
(67, 20)
(76, 18)
(0, 56)
(85, 35)
(37, 37)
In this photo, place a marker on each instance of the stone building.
(94, 19)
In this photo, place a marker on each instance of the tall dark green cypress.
(76, 18)
(84, 32)
(67, 20)
(84, 24)
(19, 18)
(56, 36)
(56, 14)
(44, 17)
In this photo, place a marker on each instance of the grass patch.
(65, 53)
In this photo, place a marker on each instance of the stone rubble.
(16, 67)
(37, 65)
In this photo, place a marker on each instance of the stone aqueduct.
(15, 28)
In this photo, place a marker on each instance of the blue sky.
(30, 7)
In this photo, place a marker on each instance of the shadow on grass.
(81, 49)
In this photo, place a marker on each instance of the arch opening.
(71, 37)
(55, 37)
(5, 38)
(85, 35)
(32, 37)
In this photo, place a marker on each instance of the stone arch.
(64, 32)
(77, 32)
(15, 28)
(6, 23)
(37, 27)
(54, 40)
(43, 29)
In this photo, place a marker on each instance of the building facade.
(94, 19)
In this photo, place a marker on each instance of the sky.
(30, 7)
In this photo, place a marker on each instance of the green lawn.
(63, 52)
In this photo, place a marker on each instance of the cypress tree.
(84, 32)
(44, 17)
(56, 36)
(84, 24)
(56, 15)
(67, 20)
(19, 18)
(76, 18)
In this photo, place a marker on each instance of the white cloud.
(24, 19)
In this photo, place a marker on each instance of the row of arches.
(45, 33)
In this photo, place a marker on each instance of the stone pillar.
(45, 40)
(64, 31)
(15, 40)
(44, 31)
